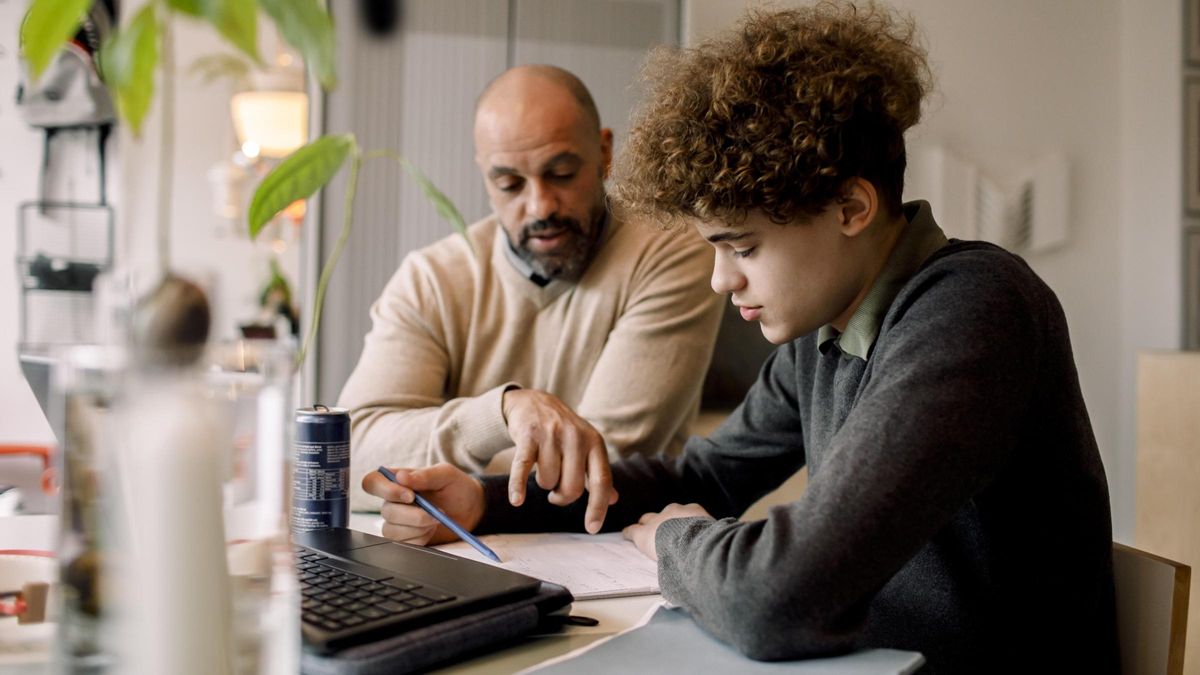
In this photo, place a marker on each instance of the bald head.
(531, 83)
(544, 157)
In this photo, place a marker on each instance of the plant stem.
(440, 201)
(167, 149)
(385, 152)
(327, 270)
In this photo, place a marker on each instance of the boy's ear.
(857, 206)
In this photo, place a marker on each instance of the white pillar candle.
(173, 589)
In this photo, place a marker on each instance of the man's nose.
(725, 277)
(543, 201)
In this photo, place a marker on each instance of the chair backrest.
(1152, 605)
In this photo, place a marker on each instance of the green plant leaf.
(307, 26)
(191, 7)
(47, 26)
(279, 281)
(445, 207)
(213, 67)
(298, 176)
(237, 21)
(128, 60)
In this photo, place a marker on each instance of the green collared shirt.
(921, 237)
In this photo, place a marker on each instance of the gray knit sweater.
(956, 502)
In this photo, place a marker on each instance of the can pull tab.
(318, 406)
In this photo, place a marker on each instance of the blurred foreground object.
(170, 325)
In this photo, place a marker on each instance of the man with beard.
(558, 338)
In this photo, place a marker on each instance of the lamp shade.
(275, 121)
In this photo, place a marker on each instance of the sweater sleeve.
(645, 387)
(756, 448)
(400, 413)
(930, 429)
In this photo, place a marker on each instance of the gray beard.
(575, 257)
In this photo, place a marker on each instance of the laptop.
(356, 587)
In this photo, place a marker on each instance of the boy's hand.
(448, 487)
(568, 452)
(642, 534)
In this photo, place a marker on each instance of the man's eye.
(508, 185)
(563, 176)
(744, 253)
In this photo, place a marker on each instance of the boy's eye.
(744, 253)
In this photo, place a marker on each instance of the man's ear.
(606, 152)
(857, 207)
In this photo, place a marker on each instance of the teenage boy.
(956, 502)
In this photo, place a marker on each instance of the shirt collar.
(920, 238)
(524, 268)
(520, 263)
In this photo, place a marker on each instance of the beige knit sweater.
(627, 347)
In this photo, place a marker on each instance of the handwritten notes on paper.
(590, 566)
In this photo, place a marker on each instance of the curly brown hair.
(775, 116)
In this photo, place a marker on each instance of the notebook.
(591, 566)
(356, 587)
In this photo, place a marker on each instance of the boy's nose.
(726, 278)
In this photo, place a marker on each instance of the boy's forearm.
(739, 581)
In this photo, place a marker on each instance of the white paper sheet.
(590, 566)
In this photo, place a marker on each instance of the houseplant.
(129, 60)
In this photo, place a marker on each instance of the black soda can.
(321, 469)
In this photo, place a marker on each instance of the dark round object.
(171, 323)
(379, 17)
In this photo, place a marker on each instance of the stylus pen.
(445, 520)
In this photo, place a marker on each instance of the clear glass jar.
(174, 547)
(252, 379)
(87, 382)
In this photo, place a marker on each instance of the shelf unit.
(61, 248)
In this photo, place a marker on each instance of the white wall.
(1151, 140)
(1097, 80)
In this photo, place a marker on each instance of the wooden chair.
(1168, 466)
(1152, 606)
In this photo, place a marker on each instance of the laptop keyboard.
(337, 595)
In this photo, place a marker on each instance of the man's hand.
(643, 533)
(568, 452)
(447, 486)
